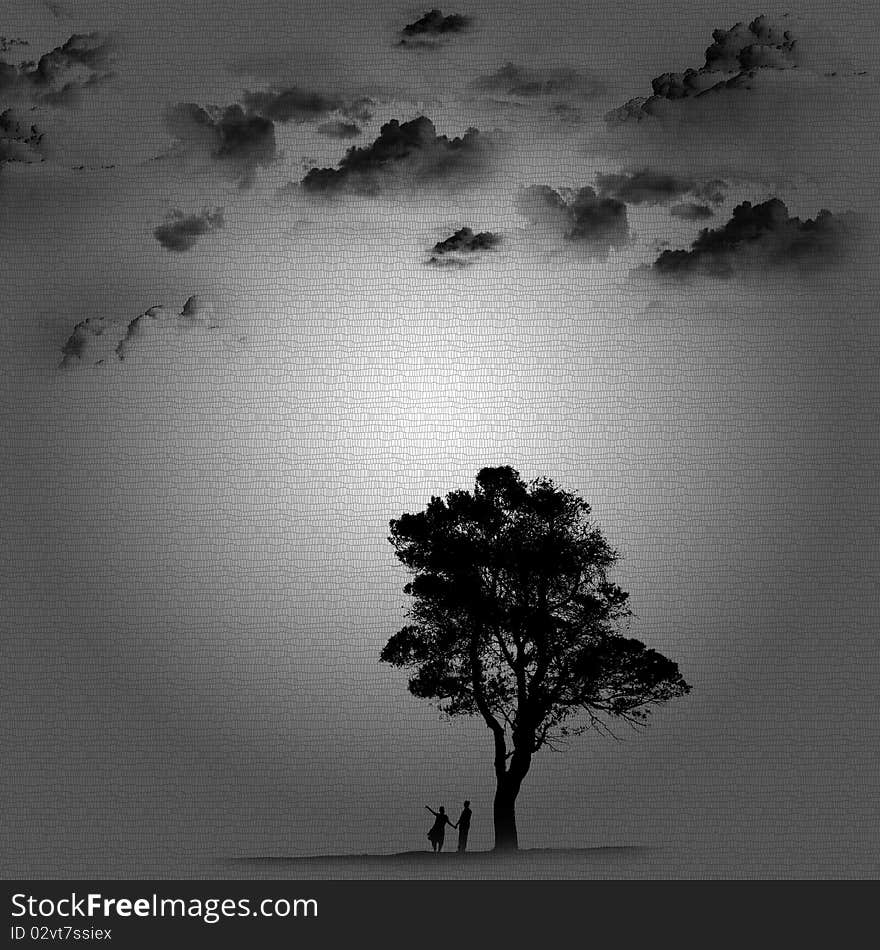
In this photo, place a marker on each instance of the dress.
(438, 829)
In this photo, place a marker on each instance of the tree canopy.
(514, 619)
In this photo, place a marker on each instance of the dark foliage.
(514, 619)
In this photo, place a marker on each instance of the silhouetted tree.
(513, 619)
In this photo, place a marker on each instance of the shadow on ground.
(532, 864)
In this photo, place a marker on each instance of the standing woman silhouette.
(438, 830)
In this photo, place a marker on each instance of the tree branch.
(483, 706)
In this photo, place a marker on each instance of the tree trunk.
(505, 816)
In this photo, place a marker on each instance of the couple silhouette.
(437, 834)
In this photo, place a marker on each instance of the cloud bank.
(293, 104)
(238, 139)
(519, 81)
(433, 27)
(98, 339)
(58, 77)
(463, 243)
(229, 139)
(20, 141)
(691, 211)
(646, 186)
(758, 236)
(731, 62)
(407, 153)
(181, 232)
(594, 222)
(10, 42)
(339, 129)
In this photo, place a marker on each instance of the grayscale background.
(195, 581)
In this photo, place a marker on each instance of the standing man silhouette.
(464, 826)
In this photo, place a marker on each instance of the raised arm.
(431, 810)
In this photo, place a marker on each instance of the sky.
(233, 350)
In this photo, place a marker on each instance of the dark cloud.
(432, 27)
(88, 342)
(340, 130)
(20, 141)
(758, 45)
(538, 202)
(757, 237)
(234, 141)
(731, 63)
(240, 138)
(181, 232)
(466, 241)
(97, 339)
(581, 216)
(691, 211)
(434, 23)
(160, 324)
(646, 186)
(10, 42)
(463, 242)
(597, 220)
(405, 153)
(58, 10)
(513, 80)
(292, 104)
(714, 191)
(359, 109)
(58, 77)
